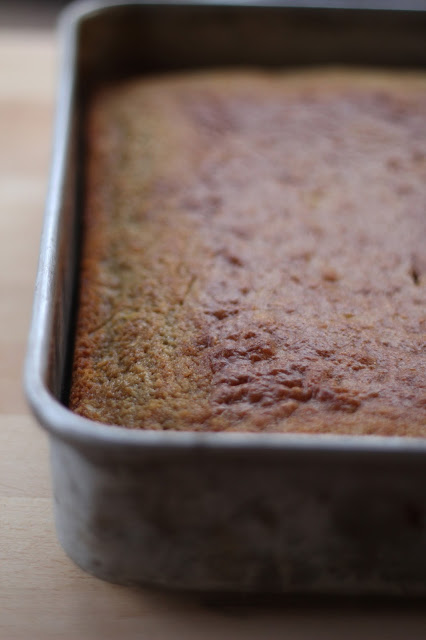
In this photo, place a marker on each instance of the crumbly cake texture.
(254, 254)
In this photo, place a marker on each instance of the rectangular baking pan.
(299, 514)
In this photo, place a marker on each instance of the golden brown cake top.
(254, 254)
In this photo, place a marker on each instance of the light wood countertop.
(42, 593)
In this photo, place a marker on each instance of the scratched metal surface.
(216, 512)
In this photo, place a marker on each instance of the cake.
(253, 253)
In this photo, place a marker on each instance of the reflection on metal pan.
(230, 512)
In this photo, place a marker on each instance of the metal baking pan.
(231, 512)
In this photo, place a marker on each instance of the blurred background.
(43, 13)
(40, 14)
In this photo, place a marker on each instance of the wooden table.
(42, 593)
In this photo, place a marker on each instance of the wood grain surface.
(42, 593)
